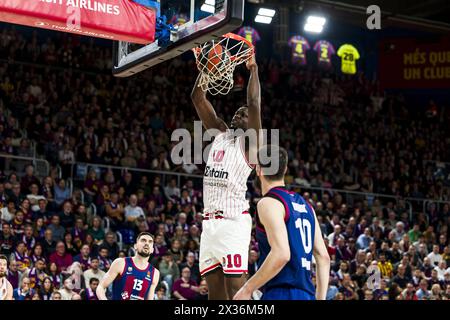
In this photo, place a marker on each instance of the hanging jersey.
(348, 54)
(250, 34)
(133, 283)
(299, 47)
(325, 51)
(300, 224)
(225, 177)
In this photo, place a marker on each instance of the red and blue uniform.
(133, 283)
(294, 281)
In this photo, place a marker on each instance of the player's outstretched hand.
(251, 63)
(243, 294)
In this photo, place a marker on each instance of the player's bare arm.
(115, 270)
(151, 292)
(271, 213)
(9, 294)
(205, 110)
(254, 106)
(322, 258)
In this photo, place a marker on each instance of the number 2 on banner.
(305, 233)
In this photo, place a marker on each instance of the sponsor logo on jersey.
(214, 173)
(125, 295)
(130, 269)
(218, 155)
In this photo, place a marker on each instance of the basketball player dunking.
(132, 278)
(6, 289)
(225, 238)
(289, 236)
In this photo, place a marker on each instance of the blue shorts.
(286, 294)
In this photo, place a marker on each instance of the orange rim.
(235, 37)
(242, 39)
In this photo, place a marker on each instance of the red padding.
(110, 19)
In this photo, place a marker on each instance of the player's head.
(3, 266)
(144, 244)
(272, 164)
(240, 119)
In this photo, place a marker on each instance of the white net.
(216, 60)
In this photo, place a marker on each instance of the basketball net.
(219, 79)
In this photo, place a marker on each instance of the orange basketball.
(213, 57)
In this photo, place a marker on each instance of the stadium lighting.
(265, 15)
(266, 12)
(315, 24)
(209, 6)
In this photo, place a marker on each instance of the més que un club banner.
(415, 64)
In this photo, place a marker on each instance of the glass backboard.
(195, 22)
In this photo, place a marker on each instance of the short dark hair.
(275, 154)
(93, 279)
(3, 257)
(144, 234)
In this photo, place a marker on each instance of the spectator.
(132, 210)
(24, 292)
(168, 269)
(400, 278)
(385, 267)
(66, 291)
(55, 274)
(96, 230)
(193, 267)
(399, 231)
(184, 288)
(47, 288)
(56, 296)
(364, 240)
(7, 240)
(60, 257)
(84, 257)
(29, 178)
(49, 245)
(93, 272)
(172, 191)
(436, 292)
(104, 261)
(434, 256)
(409, 293)
(57, 230)
(7, 213)
(62, 192)
(115, 212)
(90, 292)
(67, 219)
(423, 293)
(112, 246)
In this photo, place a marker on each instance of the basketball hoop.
(217, 59)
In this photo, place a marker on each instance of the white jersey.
(225, 177)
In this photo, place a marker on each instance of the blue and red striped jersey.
(133, 283)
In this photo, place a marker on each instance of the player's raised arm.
(205, 110)
(254, 105)
(115, 270)
(271, 214)
(151, 292)
(322, 263)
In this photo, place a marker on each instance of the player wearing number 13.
(133, 278)
(289, 236)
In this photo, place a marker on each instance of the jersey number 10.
(305, 233)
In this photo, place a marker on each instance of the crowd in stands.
(345, 134)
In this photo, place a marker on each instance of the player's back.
(133, 283)
(300, 224)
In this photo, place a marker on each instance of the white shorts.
(225, 243)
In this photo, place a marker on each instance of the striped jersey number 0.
(305, 233)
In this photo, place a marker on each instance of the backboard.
(195, 22)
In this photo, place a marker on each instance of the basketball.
(213, 58)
